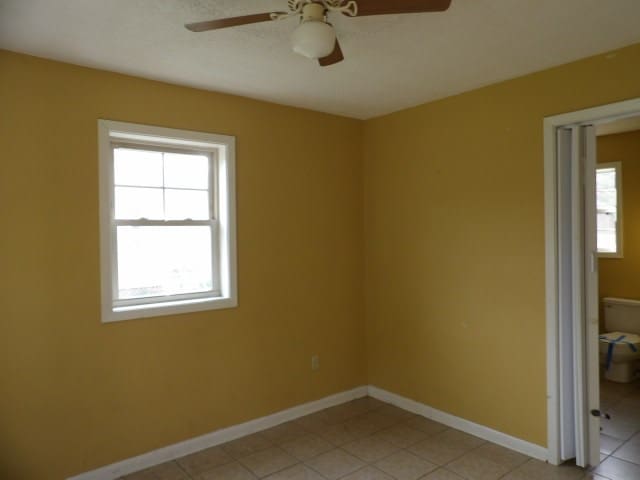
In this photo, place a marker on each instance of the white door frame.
(552, 254)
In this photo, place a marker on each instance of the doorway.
(573, 376)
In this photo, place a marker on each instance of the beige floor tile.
(464, 439)
(335, 464)
(246, 445)
(609, 444)
(445, 446)
(337, 434)
(442, 474)
(266, 462)
(363, 405)
(306, 447)
(401, 435)
(165, 471)
(369, 403)
(404, 465)
(616, 469)
(284, 433)
(370, 449)
(619, 427)
(370, 431)
(537, 470)
(394, 412)
(204, 460)
(344, 412)
(501, 456)
(230, 471)
(629, 451)
(368, 473)
(369, 423)
(425, 425)
(297, 472)
(313, 422)
(477, 467)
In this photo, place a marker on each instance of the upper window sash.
(211, 153)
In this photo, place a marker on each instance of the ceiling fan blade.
(334, 57)
(231, 22)
(384, 7)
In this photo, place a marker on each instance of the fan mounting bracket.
(346, 7)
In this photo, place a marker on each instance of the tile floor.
(370, 440)
(620, 437)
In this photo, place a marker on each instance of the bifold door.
(578, 296)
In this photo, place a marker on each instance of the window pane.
(607, 209)
(183, 204)
(607, 200)
(607, 241)
(606, 177)
(141, 168)
(133, 203)
(158, 261)
(186, 171)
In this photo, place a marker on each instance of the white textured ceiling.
(392, 62)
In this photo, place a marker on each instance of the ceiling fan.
(315, 37)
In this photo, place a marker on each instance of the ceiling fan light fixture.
(313, 39)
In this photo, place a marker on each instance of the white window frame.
(617, 166)
(221, 152)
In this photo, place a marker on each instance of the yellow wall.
(76, 394)
(454, 242)
(620, 277)
(453, 262)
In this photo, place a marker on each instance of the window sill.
(610, 255)
(116, 314)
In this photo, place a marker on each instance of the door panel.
(591, 294)
(578, 296)
(565, 303)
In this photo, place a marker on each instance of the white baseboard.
(486, 433)
(171, 452)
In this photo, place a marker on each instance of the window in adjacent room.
(167, 221)
(609, 209)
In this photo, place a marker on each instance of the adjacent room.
(618, 174)
(315, 240)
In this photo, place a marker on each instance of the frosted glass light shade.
(313, 39)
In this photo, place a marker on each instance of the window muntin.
(608, 209)
(167, 221)
(161, 185)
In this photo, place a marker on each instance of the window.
(167, 221)
(609, 209)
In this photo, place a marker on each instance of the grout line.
(180, 468)
(397, 421)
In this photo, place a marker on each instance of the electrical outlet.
(315, 362)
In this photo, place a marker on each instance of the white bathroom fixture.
(620, 346)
